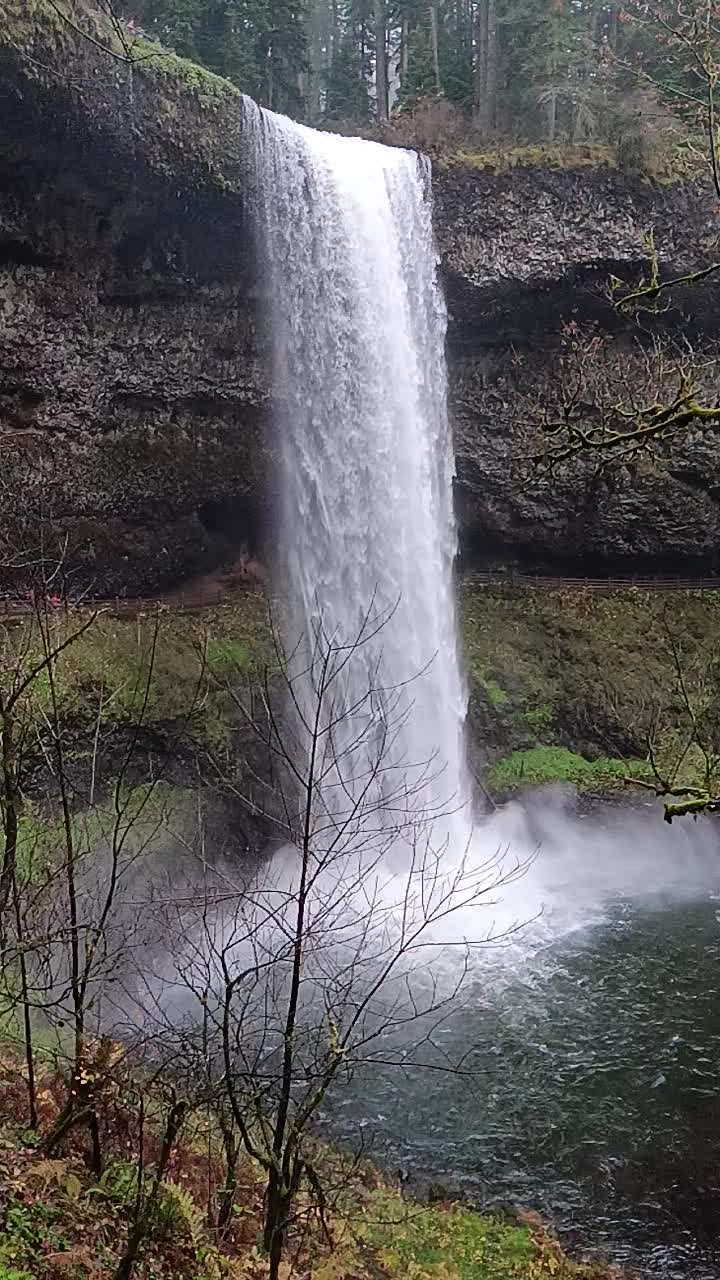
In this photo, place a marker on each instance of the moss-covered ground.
(503, 159)
(667, 164)
(572, 684)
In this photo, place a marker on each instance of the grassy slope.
(155, 664)
(151, 702)
(564, 684)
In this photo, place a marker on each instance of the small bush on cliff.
(432, 125)
(646, 135)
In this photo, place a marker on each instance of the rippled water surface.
(595, 1096)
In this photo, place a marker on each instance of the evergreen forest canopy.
(557, 71)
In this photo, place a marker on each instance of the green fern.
(119, 1181)
(176, 1213)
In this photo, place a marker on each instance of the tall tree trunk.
(553, 64)
(552, 116)
(612, 29)
(404, 52)
(486, 74)
(435, 46)
(491, 79)
(580, 122)
(270, 81)
(319, 35)
(334, 34)
(381, 62)
(9, 805)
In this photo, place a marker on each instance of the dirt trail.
(247, 574)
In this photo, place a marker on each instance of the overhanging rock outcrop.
(133, 377)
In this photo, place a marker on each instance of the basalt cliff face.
(132, 387)
(134, 399)
(526, 255)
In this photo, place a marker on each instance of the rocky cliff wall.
(133, 385)
(525, 254)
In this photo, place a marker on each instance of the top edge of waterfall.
(365, 522)
(327, 136)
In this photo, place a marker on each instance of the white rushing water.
(357, 323)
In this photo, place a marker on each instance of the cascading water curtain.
(357, 323)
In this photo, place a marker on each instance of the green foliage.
(435, 1242)
(28, 1230)
(536, 156)
(592, 673)
(175, 1214)
(151, 667)
(539, 719)
(154, 60)
(225, 656)
(453, 1243)
(495, 694)
(377, 1234)
(38, 838)
(120, 1182)
(556, 764)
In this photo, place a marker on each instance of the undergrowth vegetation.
(155, 664)
(590, 687)
(146, 1108)
(154, 1128)
(57, 1221)
(539, 765)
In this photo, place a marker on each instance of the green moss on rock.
(135, 102)
(541, 765)
(586, 673)
(536, 156)
(150, 59)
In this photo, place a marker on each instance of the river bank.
(59, 1223)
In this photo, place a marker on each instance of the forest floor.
(57, 1222)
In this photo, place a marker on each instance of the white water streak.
(363, 445)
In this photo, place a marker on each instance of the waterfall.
(357, 324)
